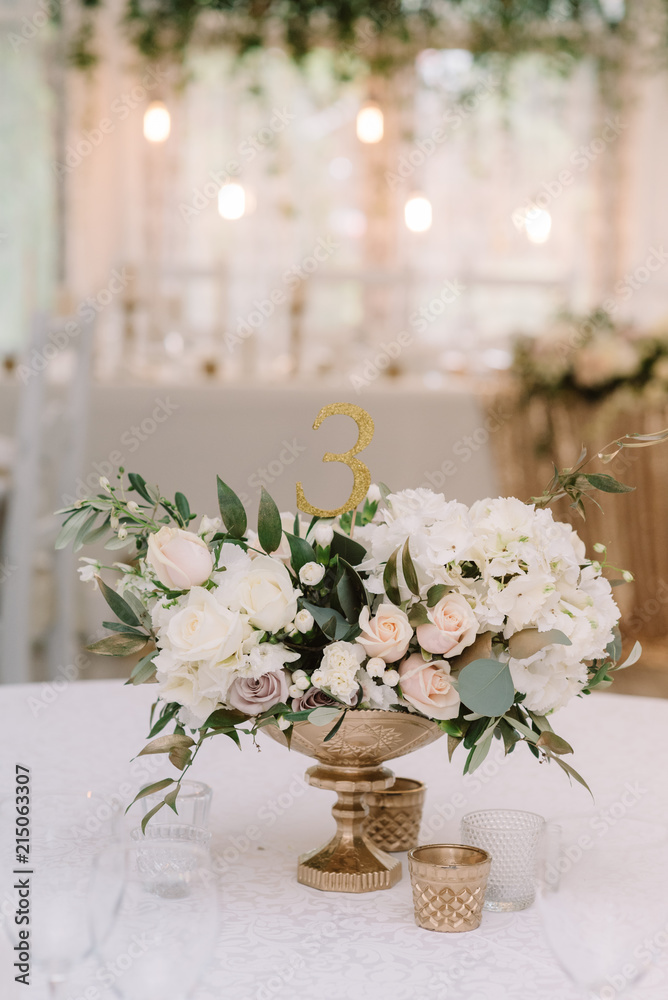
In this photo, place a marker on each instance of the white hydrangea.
(337, 670)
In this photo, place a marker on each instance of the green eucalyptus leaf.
(530, 641)
(231, 510)
(118, 604)
(485, 686)
(269, 526)
(324, 715)
(436, 594)
(118, 645)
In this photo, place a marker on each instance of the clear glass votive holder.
(165, 854)
(448, 882)
(193, 803)
(512, 837)
(394, 815)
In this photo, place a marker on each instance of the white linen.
(280, 939)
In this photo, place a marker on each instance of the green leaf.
(96, 533)
(330, 621)
(300, 551)
(418, 615)
(572, 773)
(451, 727)
(510, 736)
(385, 491)
(166, 744)
(118, 604)
(528, 733)
(157, 786)
(391, 580)
(231, 510)
(632, 658)
(141, 612)
(478, 754)
(70, 528)
(347, 548)
(166, 716)
(408, 567)
(607, 484)
(475, 731)
(436, 593)
(335, 728)
(453, 743)
(269, 526)
(83, 531)
(530, 641)
(150, 814)
(183, 508)
(614, 648)
(354, 594)
(223, 717)
(138, 484)
(554, 743)
(179, 757)
(324, 715)
(123, 629)
(170, 798)
(144, 669)
(485, 686)
(118, 645)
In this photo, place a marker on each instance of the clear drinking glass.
(71, 902)
(512, 837)
(166, 927)
(602, 899)
(193, 803)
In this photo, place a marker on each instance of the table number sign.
(361, 473)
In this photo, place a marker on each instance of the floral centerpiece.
(486, 619)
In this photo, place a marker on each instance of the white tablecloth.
(284, 941)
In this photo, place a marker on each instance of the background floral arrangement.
(486, 619)
(592, 357)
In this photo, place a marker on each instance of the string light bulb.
(231, 201)
(370, 123)
(157, 122)
(537, 225)
(417, 213)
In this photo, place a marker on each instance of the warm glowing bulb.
(370, 123)
(537, 223)
(231, 201)
(157, 122)
(417, 213)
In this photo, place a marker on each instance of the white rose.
(323, 533)
(179, 559)
(265, 593)
(204, 629)
(391, 678)
(376, 667)
(303, 621)
(311, 574)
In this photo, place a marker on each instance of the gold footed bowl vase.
(350, 764)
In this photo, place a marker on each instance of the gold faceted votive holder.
(449, 882)
(395, 814)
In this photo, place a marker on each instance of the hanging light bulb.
(417, 213)
(157, 122)
(370, 123)
(231, 201)
(537, 225)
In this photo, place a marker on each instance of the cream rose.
(311, 574)
(204, 629)
(179, 559)
(387, 634)
(427, 687)
(266, 594)
(451, 628)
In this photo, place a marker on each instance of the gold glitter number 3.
(359, 470)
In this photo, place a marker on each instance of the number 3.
(360, 471)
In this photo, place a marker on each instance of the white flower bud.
(304, 621)
(294, 691)
(133, 506)
(303, 683)
(297, 675)
(323, 533)
(391, 678)
(627, 576)
(374, 494)
(105, 484)
(599, 547)
(311, 574)
(114, 522)
(122, 533)
(283, 723)
(376, 667)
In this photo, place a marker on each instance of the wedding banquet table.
(279, 939)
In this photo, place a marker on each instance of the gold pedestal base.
(350, 862)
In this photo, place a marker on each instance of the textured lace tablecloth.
(281, 940)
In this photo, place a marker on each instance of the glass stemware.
(166, 926)
(602, 898)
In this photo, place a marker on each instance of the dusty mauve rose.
(253, 695)
(427, 687)
(179, 559)
(387, 634)
(315, 697)
(452, 626)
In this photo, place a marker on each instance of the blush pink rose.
(253, 695)
(452, 626)
(179, 559)
(427, 687)
(387, 634)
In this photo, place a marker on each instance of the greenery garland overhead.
(378, 31)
